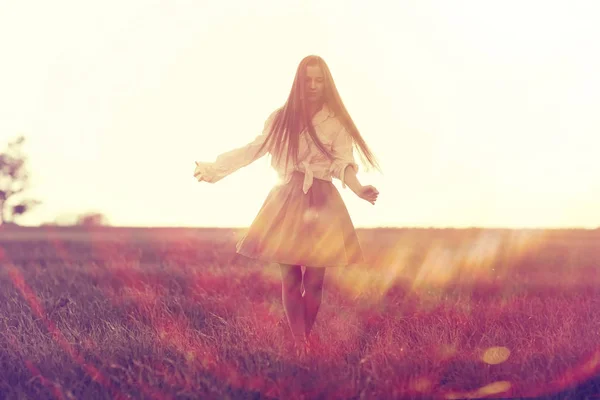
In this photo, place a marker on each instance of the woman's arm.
(229, 162)
(351, 179)
(345, 168)
(343, 157)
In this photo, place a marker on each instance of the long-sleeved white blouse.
(311, 161)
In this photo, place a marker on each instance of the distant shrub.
(92, 219)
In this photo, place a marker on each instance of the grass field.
(174, 313)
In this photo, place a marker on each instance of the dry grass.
(158, 313)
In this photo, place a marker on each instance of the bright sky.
(482, 113)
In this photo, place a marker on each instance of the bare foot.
(313, 344)
(301, 350)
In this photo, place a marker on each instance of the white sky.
(482, 113)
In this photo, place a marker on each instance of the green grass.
(174, 313)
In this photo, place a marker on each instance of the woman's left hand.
(368, 193)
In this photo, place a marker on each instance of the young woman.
(303, 221)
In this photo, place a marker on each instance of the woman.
(303, 221)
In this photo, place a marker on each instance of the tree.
(14, 180)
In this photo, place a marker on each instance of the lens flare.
(496, 355)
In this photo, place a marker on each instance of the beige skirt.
(312, 229)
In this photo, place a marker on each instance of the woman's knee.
(313, 280)
(291, 277)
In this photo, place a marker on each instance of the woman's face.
(314, 84)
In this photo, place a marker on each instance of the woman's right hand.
(368, 193)
(203, 172)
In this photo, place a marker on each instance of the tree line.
(14, 183)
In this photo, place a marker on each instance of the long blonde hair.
(291, 119)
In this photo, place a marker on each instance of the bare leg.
(291, 278)
(313, 286)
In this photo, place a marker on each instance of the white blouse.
(311, 161)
